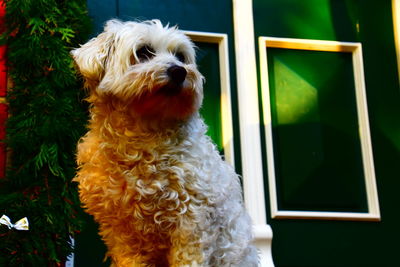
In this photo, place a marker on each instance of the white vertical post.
(253, 180)
(396, 29)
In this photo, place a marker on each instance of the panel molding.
(221, 40)
(373, 213)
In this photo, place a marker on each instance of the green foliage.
(47, 119)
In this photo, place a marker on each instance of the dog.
(147, 171)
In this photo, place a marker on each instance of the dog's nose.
(177, 73)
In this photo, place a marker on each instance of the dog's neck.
(115, 117)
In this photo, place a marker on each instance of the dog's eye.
(145, 53)
(180, 56)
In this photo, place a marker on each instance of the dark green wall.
(346, 243)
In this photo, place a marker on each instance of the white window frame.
(373, 213)
(221, 40)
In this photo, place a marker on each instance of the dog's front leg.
(126, 262)
(185, 251)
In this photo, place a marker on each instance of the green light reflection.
(296, 99)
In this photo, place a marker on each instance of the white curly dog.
(148, 173)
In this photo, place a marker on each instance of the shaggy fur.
(148, 173)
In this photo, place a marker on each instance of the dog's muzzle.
(177, 74)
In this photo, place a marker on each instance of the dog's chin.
(166, 102)
(170, 89)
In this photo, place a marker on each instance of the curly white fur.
(148, 173)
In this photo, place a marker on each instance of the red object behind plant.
(3, 91)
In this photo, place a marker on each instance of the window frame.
(373, 213)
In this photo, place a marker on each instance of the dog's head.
(145, 64)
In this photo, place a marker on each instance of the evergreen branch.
(45, 123)
(37, 26)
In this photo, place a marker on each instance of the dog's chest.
(162, 185)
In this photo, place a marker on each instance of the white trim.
(71, 257)
(396, 29)
(318, 215)
(253, 179)
(373, 213)
(226, 106)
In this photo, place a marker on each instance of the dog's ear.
(92, 57)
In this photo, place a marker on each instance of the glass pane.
(208, 63)
(316, 140)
